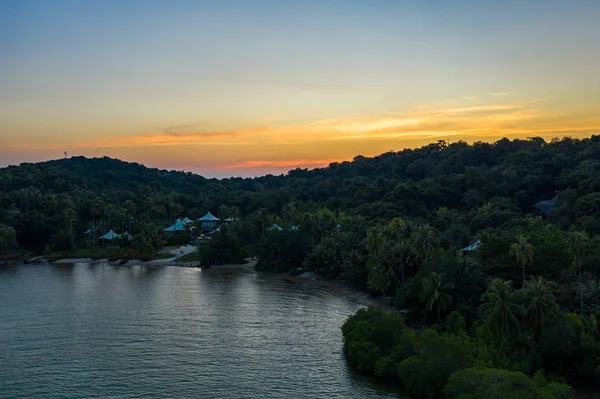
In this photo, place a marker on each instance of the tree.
(94, 210)
(434, 295)
(437, 356)
(538, 303)
(378, 248)
(522, 251)
(352, 260)
(475, 383)
(398, 227)
(8, 238)
(375, 242)
(426, 241)
(379, 278)
(499, 310)
(131, 208)
(579, 243)
(69, 215)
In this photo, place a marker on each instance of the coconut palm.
(579, 243)
(95, 209)
(538, 303)
(378, 248)
(434, 295)
(70, 215)
(499, 309)
(352, 260)
(426, 241)
(289, 212)
(379, 278)
(375, 242)
(522, 251)
(307, 223)
(130, 206)
(397, 226)
(402, 248)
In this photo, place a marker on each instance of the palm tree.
(70, 216)
(579, 243)
(307, 224)
(522, 251)
(263, 218)
(397, 226)
(434, 295)
(426, 241)
(378, 247)
(402, 248)
(538, 303)
(148, 200)
(130, 206)
(379, 278)
(94, 210)
(375, 242)
(289, 212)
(352, 260)
(499, 309)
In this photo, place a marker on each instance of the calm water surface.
(91, 331)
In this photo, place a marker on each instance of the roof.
(177, 226)
(187, 220)
(231, 219)
(127, 235)
(111, 235)
(208, 217)
(546, 206)
(91, 229)
(472, 247)
(294, 228)
(274, 227)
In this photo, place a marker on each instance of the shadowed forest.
(490, 252)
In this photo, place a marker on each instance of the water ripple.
(101, 331)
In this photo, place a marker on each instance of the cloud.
(376, 124)
(293, 163)
(502, 94)
(269, 145)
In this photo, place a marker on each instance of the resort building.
(274, 227)
(111, 235)
(209, 222)
(179, 225)
(472, 247)
(543, 208)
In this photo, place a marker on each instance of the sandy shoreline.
(157, 262)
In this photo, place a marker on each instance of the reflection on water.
(138, 332)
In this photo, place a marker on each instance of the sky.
(245, 88)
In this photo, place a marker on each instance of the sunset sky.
(244, 88)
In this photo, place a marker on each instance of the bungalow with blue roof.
(544, 207)
(209, 222)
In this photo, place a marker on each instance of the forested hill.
(511, 175)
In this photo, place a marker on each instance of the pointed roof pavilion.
(177, 226)
(274, 227)
(111, 235)
(209, 217)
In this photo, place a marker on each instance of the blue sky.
(273, 83)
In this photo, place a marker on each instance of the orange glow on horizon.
(276, 148)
